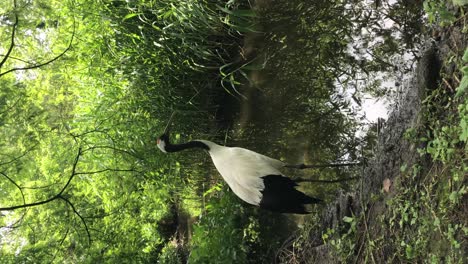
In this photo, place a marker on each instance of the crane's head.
(163, 140)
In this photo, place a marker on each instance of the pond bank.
(409, 204)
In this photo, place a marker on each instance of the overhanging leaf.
(462, 87)
(128, 16)
(465, 56)
(460, 2)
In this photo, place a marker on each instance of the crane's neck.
(191, 144)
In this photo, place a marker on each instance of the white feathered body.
(253, 177)
(242, 169)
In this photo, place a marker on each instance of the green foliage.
(343, 244)
(223, 234)
(78, 123)
(460, 2)
(420, 213)
(437, 199)
(116, 193)
(169, 255)
(191, 40)
(445, 138)
(438, 13)
(86, 90)
(461, 89)
(423, 218)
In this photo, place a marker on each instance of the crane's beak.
(169, 123)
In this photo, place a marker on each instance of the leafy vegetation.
(81, 107)
(87, 86)
(421, 215)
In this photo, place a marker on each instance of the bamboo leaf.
(238, 13)
(128, 16)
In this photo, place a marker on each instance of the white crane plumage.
(253, 177)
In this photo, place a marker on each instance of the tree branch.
(114, 149)
(16, 224)
(75, 163)
(61, 243)
(19, 157)
(104, 170)
(73, 173)
(10, 107)
(39, 187)
(38, 65)
(14, 58)
(17, 186)
(78, 214)
(12, 42)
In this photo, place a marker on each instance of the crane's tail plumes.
(280, 195)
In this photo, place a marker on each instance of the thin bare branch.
(78, 214)
(104, 170)
(114, 149)
(75, 163)
(12, 41)
(38, 65)
(39, 187)
(18, 157)
(73, 173)
(17, 186)
(10, 107)
(14, 58)
(17, 223)
(61, 243)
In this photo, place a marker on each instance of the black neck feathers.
(191, 144)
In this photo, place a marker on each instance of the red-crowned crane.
(253, 177)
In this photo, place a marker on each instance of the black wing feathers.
(280, 195)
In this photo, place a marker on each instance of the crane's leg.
(298, 180)
(331, 165)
